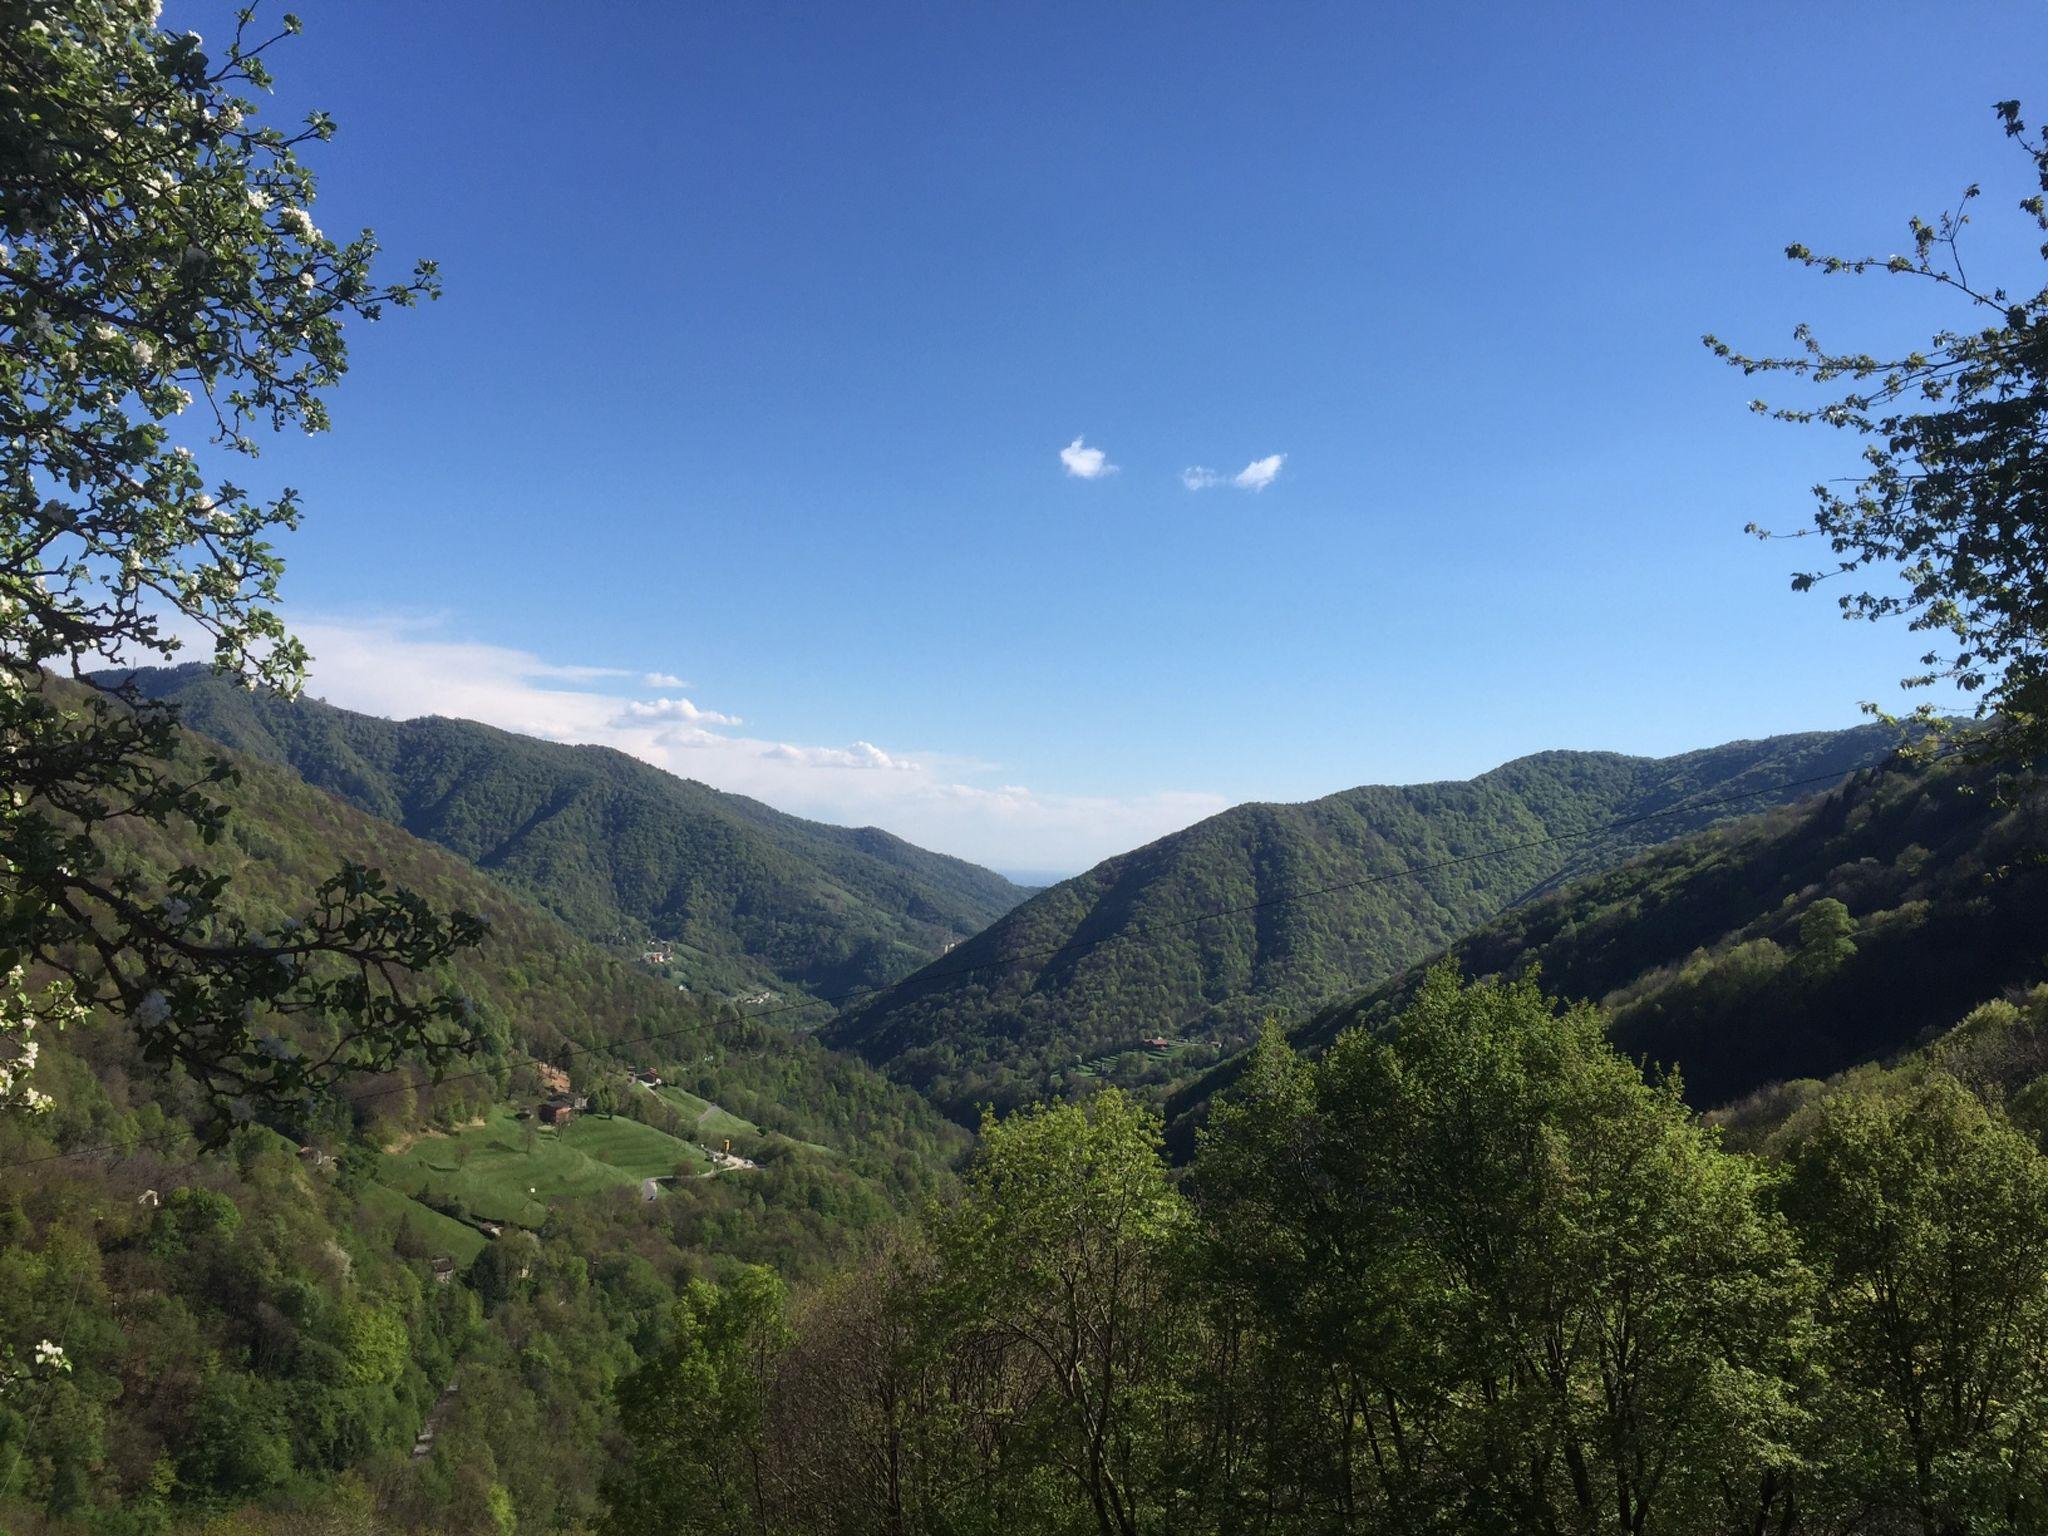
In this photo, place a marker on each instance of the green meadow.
(506, 1169)
(710, 1120)
(443, 1234)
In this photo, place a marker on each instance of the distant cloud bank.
(1085, 463)
(406, 667)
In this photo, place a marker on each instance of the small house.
(648, 1078)
(558, 1111)
(444, 1270)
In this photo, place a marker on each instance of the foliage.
(1927, 1217)
(1055, 1274)
(696, 1413)
(1134, 948)
(1951, 490)
(1485, 1248)
(1473, 1273)
(156, 247)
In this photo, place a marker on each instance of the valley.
(1043, 773)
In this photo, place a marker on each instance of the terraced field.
(442, 1234)
(507, 1169)
(710, 1120)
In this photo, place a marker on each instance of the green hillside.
(262, 1323)
(1096, 965)
(1717, 954)
(618, 848)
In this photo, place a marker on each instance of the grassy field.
(1137, 1062)
(711, 1121)
(443, 1234)
(489, 1168)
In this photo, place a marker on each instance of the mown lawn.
(498, 1176)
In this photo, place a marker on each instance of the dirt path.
(425, 1441)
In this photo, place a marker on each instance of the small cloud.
(661, 680)
(1260, 473)
(862, 754)
(1086, 463)
(1255, 476)
(679, 710)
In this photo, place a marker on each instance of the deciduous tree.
(166, 297)
(1952, 491)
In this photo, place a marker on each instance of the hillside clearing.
(506, 1169)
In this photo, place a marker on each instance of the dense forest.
(1059, 993)
(1788, 945)
(619, 849)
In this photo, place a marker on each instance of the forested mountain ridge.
(1087, 968)
(613, 845)
(263, 1322)
(1789, 945)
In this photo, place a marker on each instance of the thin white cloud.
(1255, 476)
(1086, 463)
(661, 680)
(1260, 473)
(953, 802)
(862, 754)
(576, 674)
(675, 709)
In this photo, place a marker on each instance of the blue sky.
(765, 328)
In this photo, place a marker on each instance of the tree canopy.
(1952, 491)
(165, 294)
